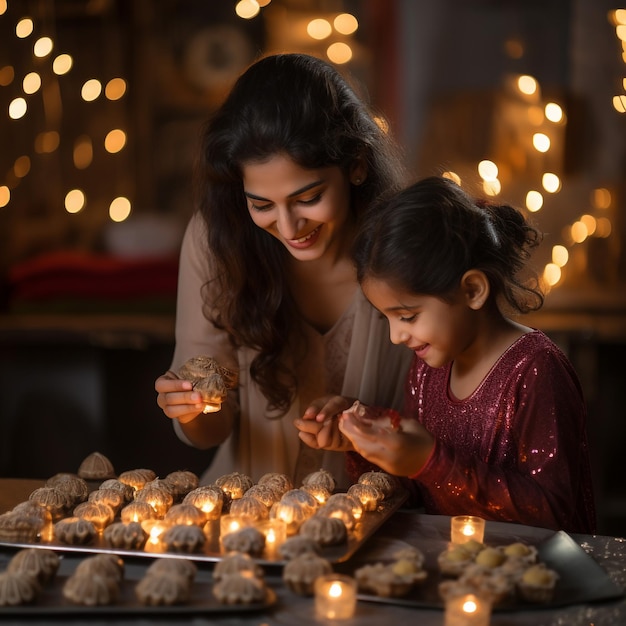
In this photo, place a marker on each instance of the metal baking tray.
(212, 550)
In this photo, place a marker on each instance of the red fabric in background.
(84, 275)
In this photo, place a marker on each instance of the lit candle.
(154, 528)
(231, 523)
(275, 531)
(467, 610)
(466, 527)
(335, 596)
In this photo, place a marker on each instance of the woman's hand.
(177, 399)
(398, 452)
(319, 424)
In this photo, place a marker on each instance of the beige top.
(355, 358)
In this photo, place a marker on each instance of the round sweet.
(209, 378)
(179, 567)
(386, 483)
(29, 508)
(267, 494)
(319, 492)
(137, 478)
(137, 512)
(295, 506)
(163, 589)
(157, 497)
(297, 545)
(321, 477)
(410, 553)
(183, 482)
(75, 531)
(339, 510)
(96, 466)
(368, 495)
(98, 513)
(15, 526)
(239, 589)
(537, 584)
(209, 499)
(111, 497)
(127, 491)
(236, 562)
(184, 538)
(185, 514)
(454, 561)
(249, 540)
(53, 499)
(522, 551)
(109, 565)
(490, 557)
(73, 485)
(90, 590)
(234, 484)
(281, 482)
(326, 531)
(488, 582)
(249, 507)
(16, 589)
(40, 565)
(129, 536)
(389, 580)
(299, 573)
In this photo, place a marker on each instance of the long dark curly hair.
(300, 106)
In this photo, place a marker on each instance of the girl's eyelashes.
(266, 207)
(408, 318)
(314, 200)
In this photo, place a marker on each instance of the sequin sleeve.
(516, 449)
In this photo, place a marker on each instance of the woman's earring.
(357, 181)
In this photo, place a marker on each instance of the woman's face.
(308, 210)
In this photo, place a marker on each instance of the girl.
(267, 287)
(494, 418)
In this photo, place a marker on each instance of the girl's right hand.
(177, 399)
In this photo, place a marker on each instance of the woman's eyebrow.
(291, 195)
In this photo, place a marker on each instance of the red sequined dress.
(514, 450)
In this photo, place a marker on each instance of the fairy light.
(21, 167)
(5, 195)
(453, 176)
(115, 140)
(17, 108)
(339, 52)
(578, 231)
(47, 142)
(319, 29)
(119, 209)
(43, 47)
(590, 223)
(527, 85)
(541, 142)
(83, 152)
(74, 201)
(346, 24)
(91, 89)
(247, 9)
(115, 88)
(552, 274)
(551, 182)
(553, 112)
(7, 73)
(62, 64)
(24, 28)
(601, 198)
(31, 83)
(560, 255)
(488, 170)
(534, 201)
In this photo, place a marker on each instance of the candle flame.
(470, 606)
(271, 536)
(468, 530)
(335, 590)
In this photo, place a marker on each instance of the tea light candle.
(230, 523)
(275, 531)
(466, 527)
(335, 596)
(154, 528)
(467, 610)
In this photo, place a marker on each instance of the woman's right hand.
(177, 399)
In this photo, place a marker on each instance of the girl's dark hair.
(427, 236)
(299, 106)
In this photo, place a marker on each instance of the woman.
(288, 165)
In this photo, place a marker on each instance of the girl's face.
(437, 331)
(308, 210)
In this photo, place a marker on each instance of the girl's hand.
(318, 425)
(177, 399)
(397, 452)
